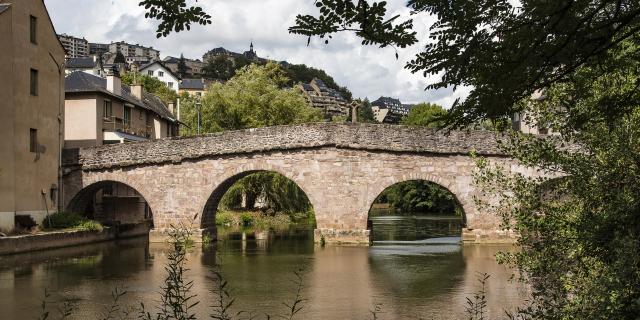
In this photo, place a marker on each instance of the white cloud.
(366, 71)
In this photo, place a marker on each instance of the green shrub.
(246, 218)
(224, 218)
(67, 220)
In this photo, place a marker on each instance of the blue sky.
(366, 71)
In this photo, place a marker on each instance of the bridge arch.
(215, 192)
(111, 201)
(462, 199)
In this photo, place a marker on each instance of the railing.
(114, 123)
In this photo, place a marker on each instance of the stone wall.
(369, 137)
(341, 167)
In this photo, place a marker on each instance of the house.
(92, 65)
(389, 110)
(195, 87)
(194, 67)
(32, 103)
(103, 111)
(525, 122)
(330, 101)
(159, 71)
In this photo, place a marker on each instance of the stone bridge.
(341, 167)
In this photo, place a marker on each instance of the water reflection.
(427, 279)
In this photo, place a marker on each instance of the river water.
(415, 271)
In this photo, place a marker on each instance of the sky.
(366, 71)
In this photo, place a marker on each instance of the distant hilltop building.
(194, 67)
(389, 110)
(74, 47)
(250, 54)
(330, 101)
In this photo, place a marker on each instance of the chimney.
(136, 91)
(114, 84)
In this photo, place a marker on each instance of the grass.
(69, 221)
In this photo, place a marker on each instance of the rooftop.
(79, 81)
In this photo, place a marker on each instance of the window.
(170, 85)
(160, 74)
(127, 115)
(150, 72)
(33, 27)
(34, 82)
(106, 109)
(33, 140)
(140, 114)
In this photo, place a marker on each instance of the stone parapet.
(366, 137)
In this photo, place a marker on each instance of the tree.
(219, 68)
(365, 114)
(253, 98)
(419, 196)
(119, 58)
(578, 234)
(182, 66)
(174, 15)
(425, 115)
(151, 85)
(504, 53)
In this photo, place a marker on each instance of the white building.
(157, 70)
(74, 47)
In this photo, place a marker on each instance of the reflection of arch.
(210, 207)
(379, 187)
(110, 200)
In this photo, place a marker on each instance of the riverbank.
(261, 220)
(67, 238)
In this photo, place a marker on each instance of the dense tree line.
(419, 196)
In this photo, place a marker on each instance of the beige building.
(102, 111)
(75, 47)
(330, 101)
(31, 102)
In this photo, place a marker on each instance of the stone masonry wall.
(341, 167)
(368, 137)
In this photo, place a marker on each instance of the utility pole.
(198, 105)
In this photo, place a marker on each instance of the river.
(418, 269)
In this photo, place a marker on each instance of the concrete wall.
(83, 121)
(24, 175)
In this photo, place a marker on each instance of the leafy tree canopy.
(253, 98)
(503, 52)
(182, 66)
(151, 85)
(425, 115)
(174, 15)
(419, 196)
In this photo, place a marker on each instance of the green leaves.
(174, 15)
(253, 98)
(504, 53)
(367, 21)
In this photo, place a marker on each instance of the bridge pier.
(337, 236)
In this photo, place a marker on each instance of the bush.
(66, 220)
